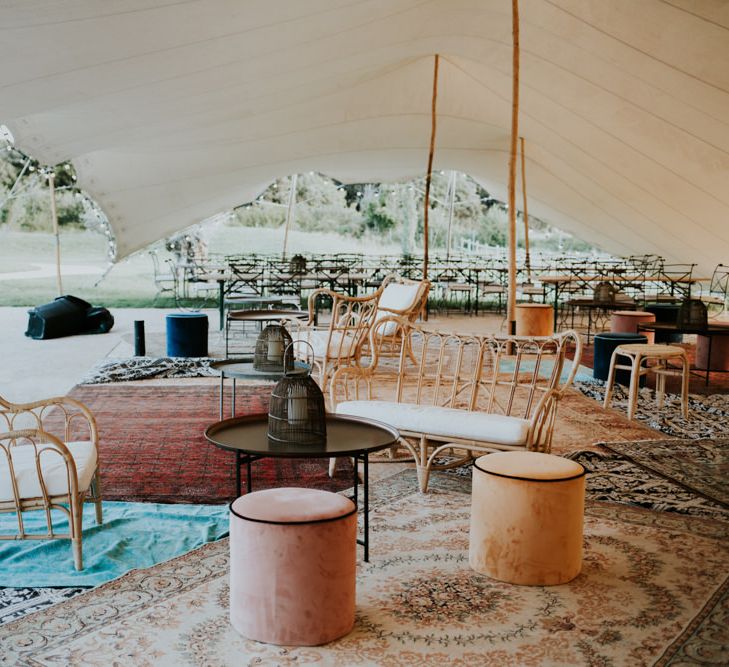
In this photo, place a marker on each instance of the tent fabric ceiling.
(172, 111)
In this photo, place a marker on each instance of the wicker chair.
(43, 471)
(342, 341)
(401, 298)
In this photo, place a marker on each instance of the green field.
(130, 283)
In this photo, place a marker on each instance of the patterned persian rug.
(152, 446)
(654, 589)
(702, 466)
(612, 478)
(708, 415)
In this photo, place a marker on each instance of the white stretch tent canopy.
(172, 111)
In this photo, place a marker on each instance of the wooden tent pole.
(451, 205)
(54, 220)
(290, 213)
(511, 301)
(429, 173)
(527, 259)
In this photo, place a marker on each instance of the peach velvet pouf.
(534, 319)
(293, 566)
(527, 515)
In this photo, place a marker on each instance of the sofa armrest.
(541, 428)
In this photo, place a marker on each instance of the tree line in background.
(391, 212)
(25, 203)
(394, 212)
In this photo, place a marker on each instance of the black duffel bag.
(66, 316)
(98, 320)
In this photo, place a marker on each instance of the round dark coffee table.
(260, 317)
(355, 437)
(242, 369)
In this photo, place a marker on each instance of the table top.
(554, 279)
(242, 369)
(254, 298)
(721, 329)
(266, 315)
(346, 436)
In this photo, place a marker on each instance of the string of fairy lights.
(31, 167)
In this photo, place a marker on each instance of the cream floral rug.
(654, 590)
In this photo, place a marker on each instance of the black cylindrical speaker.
(139, 347)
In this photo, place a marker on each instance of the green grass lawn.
(130, 283)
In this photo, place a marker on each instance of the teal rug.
(583, 374)
(133, 536)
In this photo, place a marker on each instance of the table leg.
(556, 303)
(249, 479)
(356, 501)
(222, 390)
(475, 305)
(708, 362)
(366, 504)
(237, 474)
(221, 302)
(232, 401)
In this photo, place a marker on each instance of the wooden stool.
(661, 354)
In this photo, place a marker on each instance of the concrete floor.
(32, 369)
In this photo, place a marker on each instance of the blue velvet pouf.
(605, 344)
(187, 335)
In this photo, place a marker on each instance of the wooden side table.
(637, 354)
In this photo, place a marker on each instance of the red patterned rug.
(152, 446)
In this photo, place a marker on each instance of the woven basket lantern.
(604, 292)
(296, 412)
(270, 346)
(692, 314)
(297, 264)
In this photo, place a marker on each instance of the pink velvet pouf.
(293, 566)
(527, 512)
(627, 321)
(719, 353)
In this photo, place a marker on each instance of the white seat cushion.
(442, 422)
(318, 341)
(54, 470)
(395, 297)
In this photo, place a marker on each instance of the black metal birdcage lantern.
(270, 347)
(296, 412)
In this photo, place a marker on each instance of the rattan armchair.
(401, 298)
(342, 341)
(49, 460)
